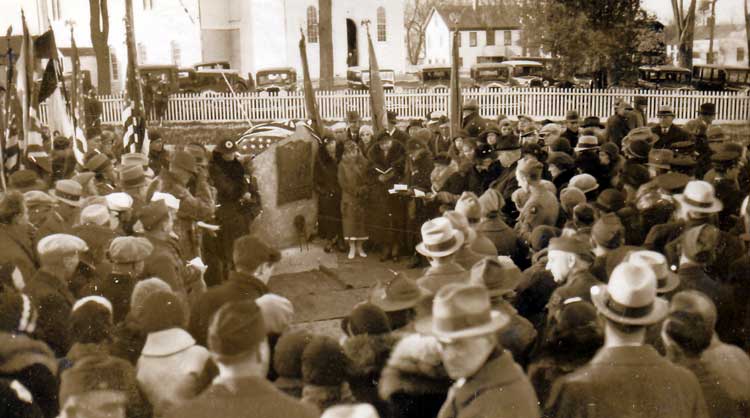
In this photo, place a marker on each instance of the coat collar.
(628, 355)
(244, 280)
(20, 236)
(55, 283)
(500, 370)
(167, 342)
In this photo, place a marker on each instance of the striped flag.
(377, 95)
(24, 85)
(310, 104)
(10, 117)
(135, 138)
(80, 145)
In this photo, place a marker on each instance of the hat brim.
(77, 203)
(579, 149)
(599, 298)
(660, 114)
(459, 238)
(378, 299)
(498, 320)
(715, 207)
(39, 185)
(655, 165)
(673, 280)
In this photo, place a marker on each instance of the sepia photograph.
(374, 209)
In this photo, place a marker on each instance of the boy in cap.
(49, 289)
(254, 261)
(238, 345)
(628, 304)
(486, 377)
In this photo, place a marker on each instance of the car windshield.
(499, 73)
(214, 66)
(667, 76)
(738, 76)
(527, 71)
(385, 75)
(436, 75)
(271, 78)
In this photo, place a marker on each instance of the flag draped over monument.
(377, 95)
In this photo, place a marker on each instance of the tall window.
(115, 66)
(148, 4)
(56, 10)
(176, 53)
(142, 56)
(740, 55)
(508, 38)
(381, 24)
(312, 24)
(490, 37)
(472, 39)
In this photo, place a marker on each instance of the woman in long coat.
(329, 192)
(354, 187)
(388, 211)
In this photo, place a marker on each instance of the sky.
(727, 11)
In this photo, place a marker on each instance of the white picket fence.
(412, 104)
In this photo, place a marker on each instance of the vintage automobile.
(490, 75)
(435, 77)
(220, 80)
(507, 74)
(167, 75)
(213, 65)
(709, 77)
(738, 79)
(274, 80)
(664, 77)
(550, 76)
(358, 78)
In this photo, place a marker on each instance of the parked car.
(526, 73)
(167, 75)
(212, 65)
(274, 80)
(709, 77)
(435, 77)
(490, 75)
(738, 79)
(664, 77)
(550, 76)
(358, 78)
(507, 74)
(219, 81)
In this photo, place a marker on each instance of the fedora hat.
(397, 294)
(68, 191)
(461, 311)
(708, 109)
(630, 297)
(26, 180)
(439, 238)
(132, 176)
(699, 196)
(572, 115)
(660, 158)
(665, 110)
(499, 275)
(586, 142)
(460, 222)
(666, 279)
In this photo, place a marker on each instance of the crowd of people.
(573, 269)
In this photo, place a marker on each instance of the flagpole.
(242, 105)
(6, 110)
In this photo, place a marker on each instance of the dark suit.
(474, 124)
(239, 286)
(243, 397)
(674, 134)
(631, 381)
(53, 301)
(16, 247)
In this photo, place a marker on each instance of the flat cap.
(126, 250)
(608, 231)
(61, 244)
(95, 214)
(119, 201)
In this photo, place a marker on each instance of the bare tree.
(686, 30)
(99, 25)
(708, 7)
(415, 23)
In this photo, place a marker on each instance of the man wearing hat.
(50, 288)
(541, 207)
(487, 378)
(238, 344)
(105, 178)
(471, 121)
(165, 261)
(398, 298)
(667, 132)
(659, 161)
(572, 126)
(440, 244)
(393, 130)
(26, 180)
(569, 260)
(237, 200)
(607, 235)
(618, 125)
(254, 261)
(94, 229)
(193, 207)
(353, 123)
(638, 116)
(128, 256)
(706, 115)
(628, 304)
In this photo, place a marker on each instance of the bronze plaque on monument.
(294, 172)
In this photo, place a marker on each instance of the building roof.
(481, 18)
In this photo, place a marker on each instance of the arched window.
(312, 24)
(381, 24)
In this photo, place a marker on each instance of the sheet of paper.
(210, 227)
(402, 187)
(419, 193)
